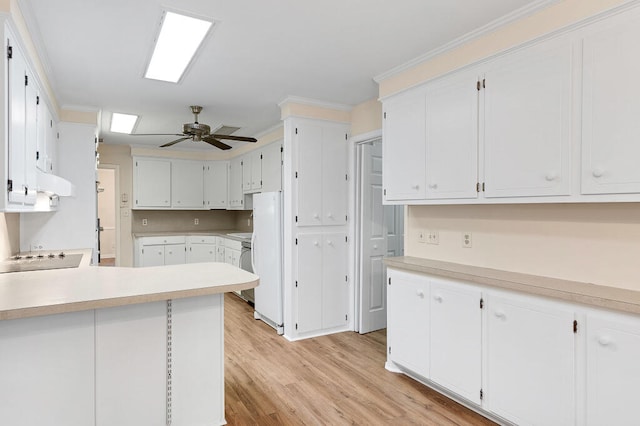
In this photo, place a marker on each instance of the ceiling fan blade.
(174, 142)
(234, 138)
(215, 142)
(156, 134)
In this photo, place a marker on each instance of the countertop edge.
(618, 299)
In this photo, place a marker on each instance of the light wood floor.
(330, 380)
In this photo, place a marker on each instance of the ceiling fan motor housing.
(197, 130)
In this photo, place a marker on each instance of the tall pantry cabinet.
(316, 245)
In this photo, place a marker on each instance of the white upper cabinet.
(252, 171)
(321, 174)
(527, 122)
(235, 184)
(452, 137)
(22, 132)
(187, 180)
(404, 149)
(216, 184)
(152, 182)
(272, 167)
(611, 107)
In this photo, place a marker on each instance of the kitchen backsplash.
(184, 221)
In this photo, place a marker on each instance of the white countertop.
(27, 294)
(221, 233)
(610, 297)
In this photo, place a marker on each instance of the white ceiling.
(260, 52)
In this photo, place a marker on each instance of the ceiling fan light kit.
(199, 132)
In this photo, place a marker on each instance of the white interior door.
(381, 234)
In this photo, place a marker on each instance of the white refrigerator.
(266, 258)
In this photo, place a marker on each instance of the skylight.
(123, 123)
(179, 39)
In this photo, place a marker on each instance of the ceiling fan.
(199, 132)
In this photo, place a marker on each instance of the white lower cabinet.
(201, 249)
(530, 360)
(322, 285)
(456, 338)
(613, 370)
(408, 321)
(159, 251)
(536, 360)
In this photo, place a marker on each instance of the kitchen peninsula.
(126, 346)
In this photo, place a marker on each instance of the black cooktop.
(40, 262)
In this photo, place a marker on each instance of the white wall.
(73, 225)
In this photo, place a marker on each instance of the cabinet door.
(187, 180)
(256, 170)
(334, 176)
(235, 183)
(530, 353)
(408, 321)
(42, 117)
(335, 284)
(527, 123)
(17, 125)
(153, 255)
(613, 370)
(246, 163)
(610, 126)
(152, 182)
(309, 174)
(31, 139)
(404, 149)
(309, 299)
(452, 137)
(175, 254)
(272, 167)
(216, 184)
(201, 253)
(220, 253)
(456, 338)
(51, 143)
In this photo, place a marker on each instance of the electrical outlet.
(37, 247)
(433, 237)
(422, 237)
(466, 239)
(196, 221)
(144, 222)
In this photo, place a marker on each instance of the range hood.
(54, 185)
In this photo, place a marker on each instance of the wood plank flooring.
(331, 380)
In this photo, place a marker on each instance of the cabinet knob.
(416, 187)
(330, 215)
(375, 247)
(604, 340)
(597, 172)
(329, 242)
(500, 314)
(437, 298)
(432, 186)
(420, 294)
(316, 216)
(551, 176)
(315, 243)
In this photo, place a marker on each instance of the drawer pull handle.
(420, 294)
(438, 298)
(433, 186)
(416, 187)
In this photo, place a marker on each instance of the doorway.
(379, 234)
(108, 219)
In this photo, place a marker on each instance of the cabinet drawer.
(232, 244)
(173, 239)
(202, 239)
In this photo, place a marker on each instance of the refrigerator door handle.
(253, 253)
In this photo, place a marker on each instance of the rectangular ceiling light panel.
(123, 123)
(179, 39)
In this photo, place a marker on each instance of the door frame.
(116, 178)
(355, 212)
